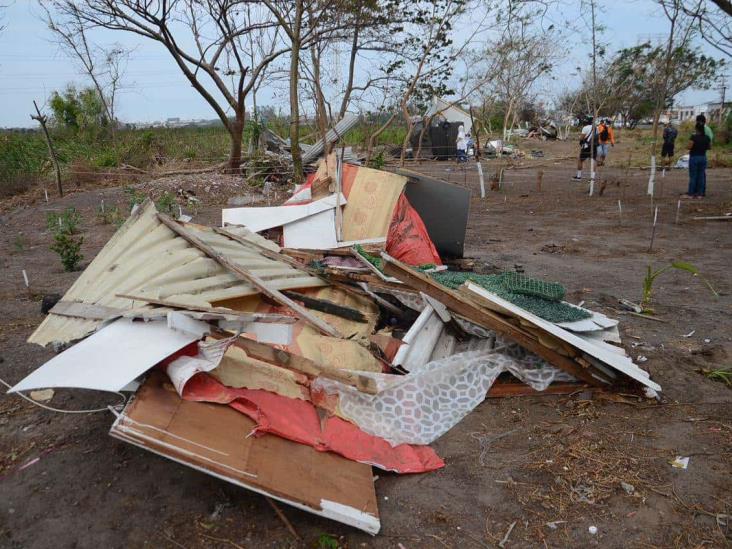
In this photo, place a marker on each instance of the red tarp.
(408, 240)
(299, 421)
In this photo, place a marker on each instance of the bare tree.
(104, 66)
(712, 20)
(215, 28)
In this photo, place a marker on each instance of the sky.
(32, 65)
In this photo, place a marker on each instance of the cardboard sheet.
(110, 358)
(372, 196)
(259, 219)
(213, 439)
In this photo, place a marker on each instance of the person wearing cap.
(588, 148)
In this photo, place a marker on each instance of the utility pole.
(722, 80)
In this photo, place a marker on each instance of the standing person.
(588, 148)
(699, 144)
(707, 130)
(607, 138)
(462, 145)
(669, 141)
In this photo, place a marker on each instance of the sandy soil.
(550, 466)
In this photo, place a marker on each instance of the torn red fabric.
(298, 420)
(408, 240)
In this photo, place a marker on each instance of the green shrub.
(166, 204)
(69, 248)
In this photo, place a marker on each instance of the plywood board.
(212, 438)
(371, 201)
(110, 358)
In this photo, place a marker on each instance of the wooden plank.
(212, 438)
(249, 277)
(483, 317)
(244, 317)
(280, 357)
(89, 311)
(500, 390)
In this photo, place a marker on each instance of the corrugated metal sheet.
(341, 128)
(146, 258)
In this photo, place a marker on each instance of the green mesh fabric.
(520, 290)
(520, 284)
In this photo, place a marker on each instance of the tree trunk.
(236, 131)
(294, 103)
(375, 135)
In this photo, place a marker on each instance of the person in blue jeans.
(699, 144)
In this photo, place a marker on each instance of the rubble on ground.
(338, 343)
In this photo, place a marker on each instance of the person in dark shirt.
(699, 144)
(669, 141)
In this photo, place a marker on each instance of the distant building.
(711, 110)
(449, 112)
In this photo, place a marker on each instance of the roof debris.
(339, 342)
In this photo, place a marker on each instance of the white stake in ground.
(480, 178)
(25, 279)
(678, 211)
(652, 177)
(45, 192)
(653, 231)
(620, 212)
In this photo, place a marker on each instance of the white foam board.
(109, 359)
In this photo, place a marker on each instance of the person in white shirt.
(588, 148)
(462, 145)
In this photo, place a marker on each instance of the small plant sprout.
(722, 375)
(652, 275)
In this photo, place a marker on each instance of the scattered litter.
(707, 340)
(641, 359)
(629, 488)
(555, 524)
(691, 333)
(680, 462)
(42, 396)
(593, 530)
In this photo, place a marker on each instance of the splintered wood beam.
(280, 357)
(251, 278)
(291, 261)
(500, 390)
(483, 317)
(245, 317)
(90, 311)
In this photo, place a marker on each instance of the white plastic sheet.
(420, 407)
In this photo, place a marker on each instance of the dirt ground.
(528, 472)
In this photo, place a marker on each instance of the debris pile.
(338, 343)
